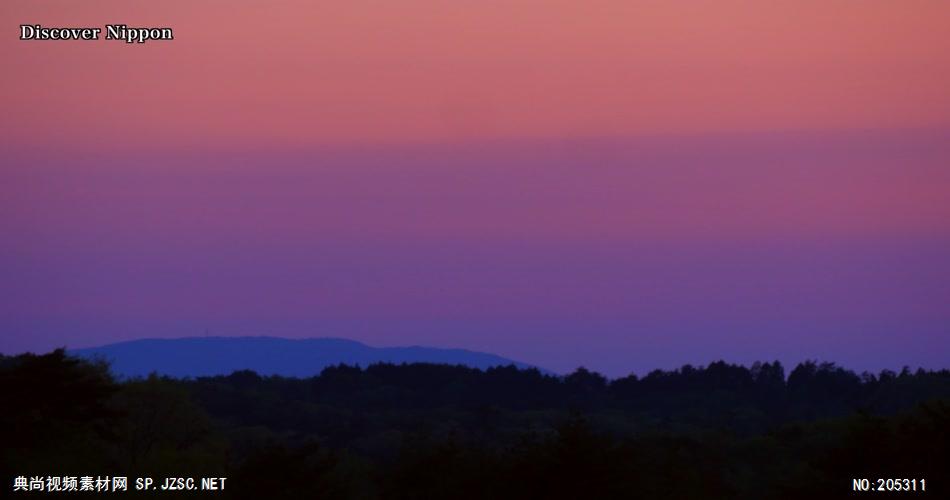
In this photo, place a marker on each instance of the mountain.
(204, 356)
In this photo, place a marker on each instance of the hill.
(208, 356)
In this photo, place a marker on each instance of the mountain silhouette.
(208, 356)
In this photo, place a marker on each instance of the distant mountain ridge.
(208, 356)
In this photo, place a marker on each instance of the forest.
(420, 431)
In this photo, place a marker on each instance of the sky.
(623, 185)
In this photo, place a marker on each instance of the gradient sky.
(624, 185)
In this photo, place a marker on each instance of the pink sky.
(624, 185)
(304, 73)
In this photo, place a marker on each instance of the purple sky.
(618, 254)
(619, 184)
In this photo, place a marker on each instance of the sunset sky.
(623, 185)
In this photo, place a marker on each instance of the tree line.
(439, 431)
